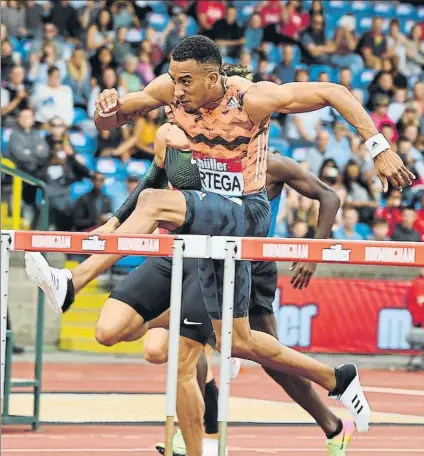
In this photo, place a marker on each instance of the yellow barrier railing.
(16, 195)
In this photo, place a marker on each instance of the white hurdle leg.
(5, 239)
(226, 342)
(173, 345)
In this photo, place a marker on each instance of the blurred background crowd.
(57, 56)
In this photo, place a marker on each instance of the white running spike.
(355, 401)
(53, 282)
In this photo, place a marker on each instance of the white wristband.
(107, 114)
(377, 144)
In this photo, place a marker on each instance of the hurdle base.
(169, 435)
(222, 432)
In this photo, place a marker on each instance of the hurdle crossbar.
(230, 250)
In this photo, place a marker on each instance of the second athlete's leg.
(298, 388)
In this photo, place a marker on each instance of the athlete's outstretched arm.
(112, 111)
(264, 98)
(286, 171)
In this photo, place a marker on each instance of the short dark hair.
(198, 48)
(52, 69)
(380, 221)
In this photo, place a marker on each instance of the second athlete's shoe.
(337, 446)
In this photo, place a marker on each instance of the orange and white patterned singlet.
(230, 151)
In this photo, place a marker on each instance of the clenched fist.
(108, 102)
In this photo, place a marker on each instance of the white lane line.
(406, 392)
(238, 449)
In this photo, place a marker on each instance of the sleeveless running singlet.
(184, 175)
(229, 150)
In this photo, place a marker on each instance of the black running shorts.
(147, 290)
(216, 215)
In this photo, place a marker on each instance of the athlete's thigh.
(195, 321)
(116, 316)
(147, 288)
(217, 215)
(264, 286)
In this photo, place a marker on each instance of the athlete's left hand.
(302, 274)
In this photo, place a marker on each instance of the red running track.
(288, 440)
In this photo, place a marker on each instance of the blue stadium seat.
(80, 188)
(114, 187)
(158, 21)
(339, 7)
(230, 60)
(363, 24)
(274, 130)
(83, 143)
(360, 5)
(158, 7)
(129, 262)
(87, 160)
(274, 53)
(420, 13)
(111, 167)
(406, 26)
(80, 114)
(137, 167)
(315, 70)
(363, 230)
(281, 145)
(24, 49)
(5, 136)
(192, 27)
(383, 9)
(405, 11)
(366, 77)
(245, 12)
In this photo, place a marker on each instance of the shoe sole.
(38, 271)
(362, 419)
(161, 450)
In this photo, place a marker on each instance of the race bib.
(220, 175)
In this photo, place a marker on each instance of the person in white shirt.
(53, 99)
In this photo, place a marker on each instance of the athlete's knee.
(149, 201)
(189, 355)
(106, 334)
(156, 354)
(241, 346)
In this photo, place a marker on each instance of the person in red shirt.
(415, 302)
(392, 212)
(294, 20)
(380, 117)
(271, 11)
(208, 12)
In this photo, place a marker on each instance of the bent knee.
(106, 336)
(148, 200)
(156, 354)
(240, 348)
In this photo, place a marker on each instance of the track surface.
(391, 392)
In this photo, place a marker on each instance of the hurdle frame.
(229, 249)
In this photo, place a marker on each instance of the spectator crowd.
(57, 56)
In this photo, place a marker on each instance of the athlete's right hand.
(108, 228)
(108, 102)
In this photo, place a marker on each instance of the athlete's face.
(193, 83)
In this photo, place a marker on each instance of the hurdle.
(228, 249)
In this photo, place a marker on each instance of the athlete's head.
(195, 70)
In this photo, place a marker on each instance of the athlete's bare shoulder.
(239, 83)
